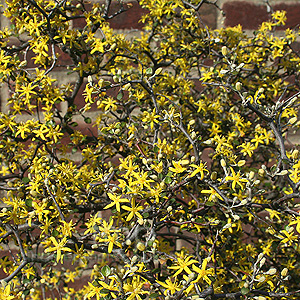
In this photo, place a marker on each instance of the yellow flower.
(280, 17)
(236, 178)
(170, 286)
(199, 169)
(116, 200)
(5, 293)
(183, 265)
(58, 247)
(134, 210)
(248, 148)
(133, 289)
(297, 223)
(177, 167)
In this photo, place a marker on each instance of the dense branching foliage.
(185, 184)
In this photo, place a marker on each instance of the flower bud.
(293, 120)
(241, 163)
(271, 271)
(295, 154)
(158, 71)
(113, 46)
(251, 175)
(283, 172)
(193, 135)
(213, 175)
(238, 86)
(262, 278)
(262, 262)
(244, 201)
(23, 63)
(127, 86)
(260, 256)
(141, 246)
(223, 163)
(284, 272)
(169, 208)
(224, 50)
(141, 222)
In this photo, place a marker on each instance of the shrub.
(177, 178)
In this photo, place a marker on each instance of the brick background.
(250, 14)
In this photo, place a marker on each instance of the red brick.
(208, 15)
(62, 58)
(86, 129)
(80, 22)
(128, 19)
(292, 13)
(251, 15)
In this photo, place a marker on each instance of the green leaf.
(244, 291)
(25, 179)
(119, 96)
(106, 83)
(168, 180)
(105, 270)
(149, 71)
(26, 292)
(154, 295)
(28, 202)
(55, 233)
(156, 270)
(74, 124)
(88, 120)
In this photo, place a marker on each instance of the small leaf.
(25, 179)
(74, 124)
(88, 120)
(119, 96)
(105, 270)
(28, 202)
(244, 291)
(55, 233)
(168, 180)
(149, 71)
(154, 295)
